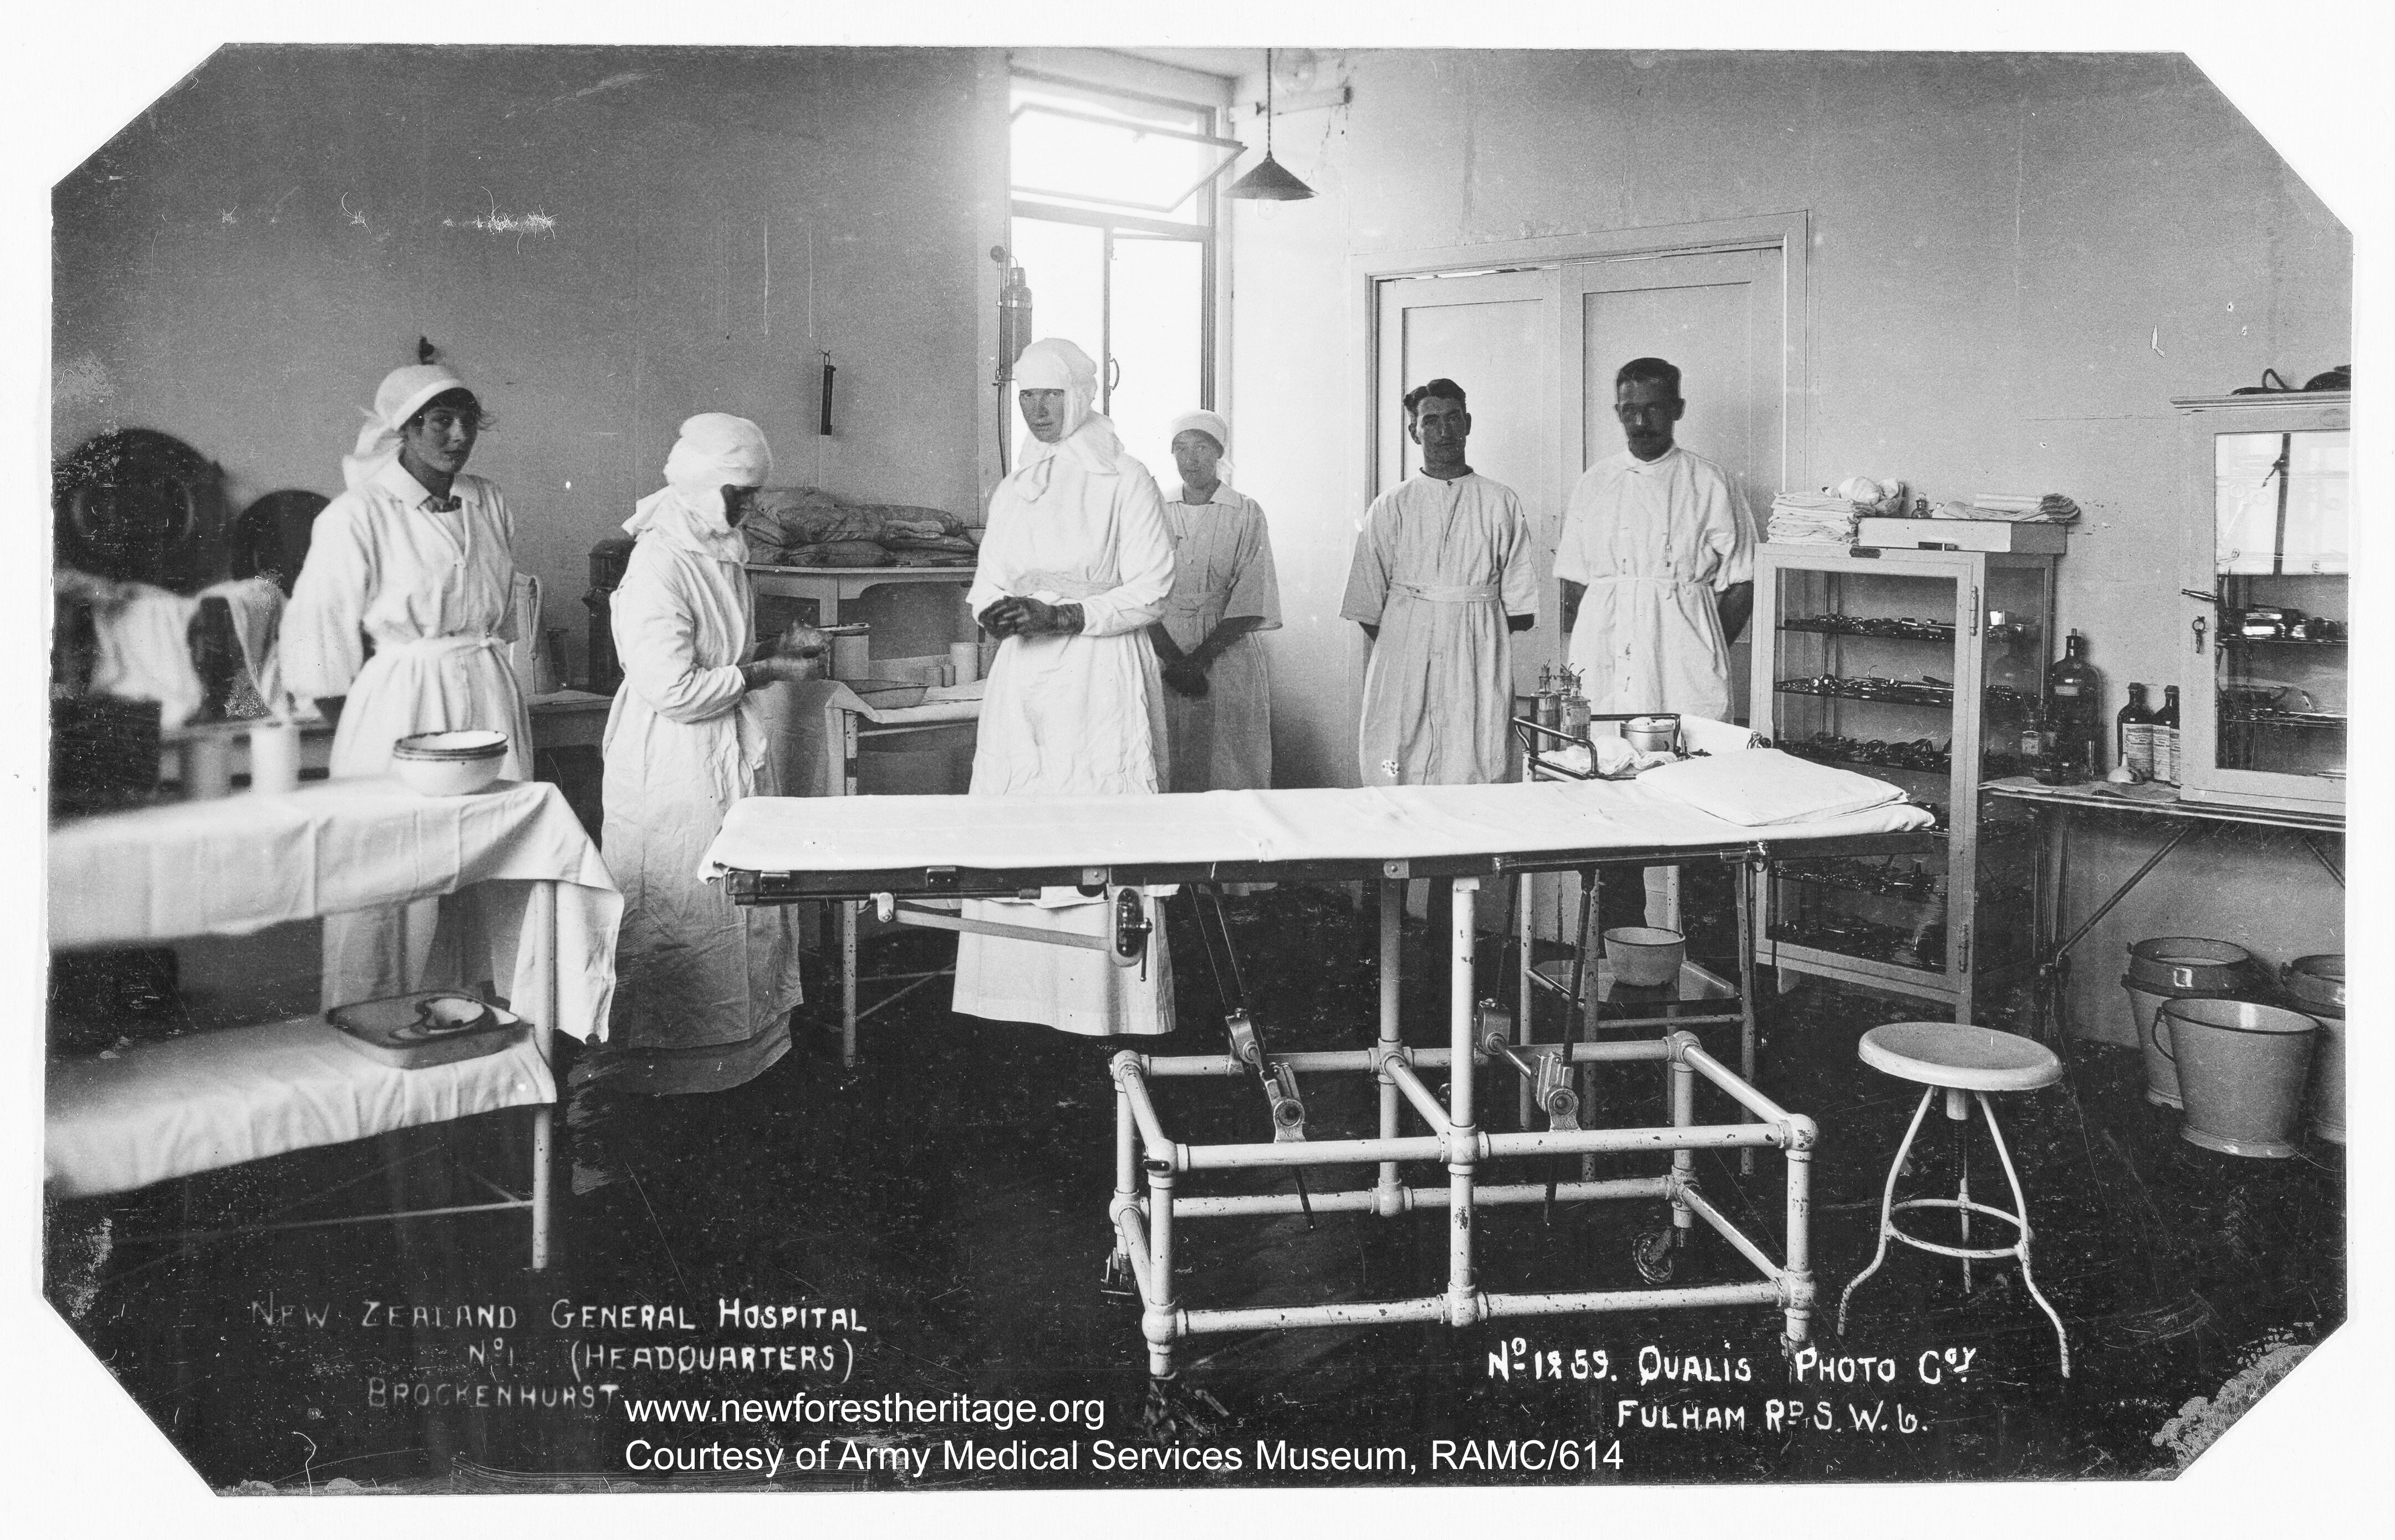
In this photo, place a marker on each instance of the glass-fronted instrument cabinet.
(2263, 718)
(1920, 667)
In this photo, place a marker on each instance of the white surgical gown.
(431, 590)
(1439, 566)
(1654, 541)
(1081, 714)
(704, 988)
(1221, 565)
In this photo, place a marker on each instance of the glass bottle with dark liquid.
(2073, 690)
(2133, 735)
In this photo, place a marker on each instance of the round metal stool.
(1956, 1060)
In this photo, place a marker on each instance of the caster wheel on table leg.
(1652, 1252)
(1173, 1411)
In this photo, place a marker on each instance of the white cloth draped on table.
(1368, 824)
(432, 591)
(1080, 521)
(1222, 566)
(705, 988)
(1438, 567)
(237, 865)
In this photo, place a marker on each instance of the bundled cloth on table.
(807, 527)
(1607, 754)
(2013, 508)
(1769, 788)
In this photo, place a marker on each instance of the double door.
(1536, 347)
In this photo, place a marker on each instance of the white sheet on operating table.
(854, 833)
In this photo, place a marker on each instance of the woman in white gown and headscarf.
(1218, 694)
(1075, 566)
(704, 988)
(416, 558)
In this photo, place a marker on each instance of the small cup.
(1645, 955)
(964, 658)
(274, 756)
(207, 767)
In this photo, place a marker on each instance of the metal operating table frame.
(1144, 1222)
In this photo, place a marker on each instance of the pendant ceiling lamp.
(1268, 181)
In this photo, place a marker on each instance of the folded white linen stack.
(1801, 518)
(1766, 786)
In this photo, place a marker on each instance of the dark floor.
(950, 1192)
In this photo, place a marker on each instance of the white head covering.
(401, 395)
(1053, 364)
(716, 450)
(1214, 427)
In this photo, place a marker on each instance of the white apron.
(1080, 715)
(432, 593)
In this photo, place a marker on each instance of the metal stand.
(2055, 812)
(1147, 1206)
(1964, 1209)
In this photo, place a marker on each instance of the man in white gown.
(1656, 571)
(1075, 566)
(1443, 574)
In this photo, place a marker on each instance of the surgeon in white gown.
(704, 988)
(417, 560)
(1075, 566)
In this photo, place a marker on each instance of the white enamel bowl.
(449, 764)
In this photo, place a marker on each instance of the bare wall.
(603, 241)
(2017, 262)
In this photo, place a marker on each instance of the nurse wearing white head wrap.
(1218, 694)
(704, 989)
(403, 393)
(428, 577)
(1213, 426)
(1075, 566)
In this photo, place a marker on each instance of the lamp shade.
(1269, 181)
